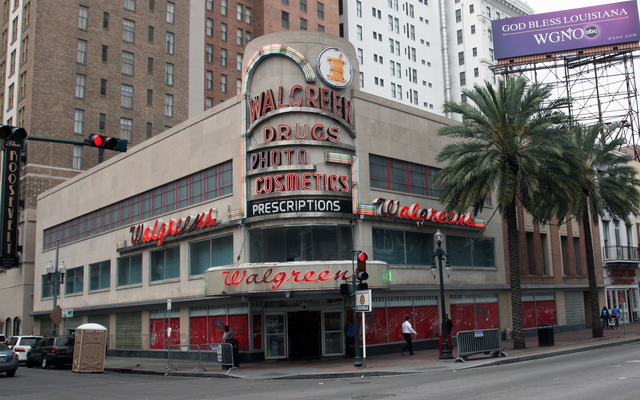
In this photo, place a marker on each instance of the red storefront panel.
(257, 331)
(486, 316)
(158, 333)
(546, 312)
(216, 328)
(198, 334)
(529, 314)
(396, 318)
(463, 317)
(426, 318)
(376, 321)
(239, 325)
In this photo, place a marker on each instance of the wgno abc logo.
(591, 31)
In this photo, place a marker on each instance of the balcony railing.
(620, 253)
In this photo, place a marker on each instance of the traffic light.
(362, 267)
(12, 133)
(109, 143)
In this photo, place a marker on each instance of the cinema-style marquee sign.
(298, 148)
(563, 31)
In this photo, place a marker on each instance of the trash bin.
(545, 335)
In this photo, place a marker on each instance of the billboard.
(567, 30)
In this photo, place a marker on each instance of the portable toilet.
(90, 347)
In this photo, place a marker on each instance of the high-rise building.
(128, 69)
(423, 53)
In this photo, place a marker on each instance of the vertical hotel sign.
(10, 200)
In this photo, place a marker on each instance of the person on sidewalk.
(227, 336)
(349, 338)
(605, 317)
(407, 330)
(447, 326)
(616, 311)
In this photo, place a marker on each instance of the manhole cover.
(373, 396)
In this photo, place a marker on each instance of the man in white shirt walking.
(407, 330)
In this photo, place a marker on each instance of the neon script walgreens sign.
(392, 208)
(237, 277)
(143, 234)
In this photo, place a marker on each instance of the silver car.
(8, 360)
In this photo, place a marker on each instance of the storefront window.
(301, 243)
(403, 247)
(165, 264)
(470, 251)
(210, 253)
(130, 270)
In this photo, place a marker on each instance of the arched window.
(7, 327)
(16, 326)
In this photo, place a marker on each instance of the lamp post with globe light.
(56, 278)
(440, 254)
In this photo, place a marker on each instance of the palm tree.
(608, 187)
(513, 140)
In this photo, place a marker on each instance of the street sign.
(363, 300)
(68, 313)
(169, 304)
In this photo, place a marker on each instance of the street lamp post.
(440, 254)
(56, 278)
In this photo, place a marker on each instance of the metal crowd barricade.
(182, 355)
(480, 341)
(216, 354)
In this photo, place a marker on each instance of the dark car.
(51, 351)
(8, 360)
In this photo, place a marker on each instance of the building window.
(126, 129)
(128, 32)
(80, 84)
(320, 28)
(149, 97)
(458, 16)
(150, 66)
(77, 157)
(402, 247)
(47, 287)
(471, 9)
(210, 253)
(129, 270)
(223, 83)
(360, 57)
(476, 72)
(223, 57)
(247, 15)
(361, 79)
(475, 51)
(209, 53)
(401, 176)
(239, 61)
(171, 10)
(83, 17)
(105, 20)
(103, 87)
(223, 7)
(10, 101)
(130, 5)
(238, 86)
(105, 51)
(103, 122)
(303, 26)
(170, 42)
(82, 51)
(303, 5)
(209, 80)
(461, 58)
(168, 105)
(393, 90)
(490, 35)
(459, 35)
(149, 130)
(247, 37)
(239, 36)
(26, 14)
(168, 74)
(165, 264)
(473, 29)
(208, 103)
(320, 10)
(127, 63)
(285, 19)
(126, 96)
(100, 275)
(480, 255)
(209, 27)
(223, 32)
(463, 79)
(151, 34)
(12, 63)
(210, 5)
(78, 121)
(488, 11)
(239, 12)
(74, 278)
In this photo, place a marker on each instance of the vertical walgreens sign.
(10, 200)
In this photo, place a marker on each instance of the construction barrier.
(488, 341)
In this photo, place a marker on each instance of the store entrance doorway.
(304, 334)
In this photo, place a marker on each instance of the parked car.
(51, 351)
(22, 345)
(8, 360)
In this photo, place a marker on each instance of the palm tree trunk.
(514, 276)
(596, 325)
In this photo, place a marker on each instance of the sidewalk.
(388, 364)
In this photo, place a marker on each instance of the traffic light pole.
(356, 321)
(56, 140)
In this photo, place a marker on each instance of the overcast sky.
(543, 6)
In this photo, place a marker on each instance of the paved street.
(606, 373)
